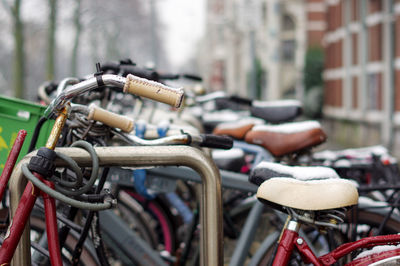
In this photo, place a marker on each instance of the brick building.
(316, 22)
(362, 71)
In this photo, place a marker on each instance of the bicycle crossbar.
(210, 206)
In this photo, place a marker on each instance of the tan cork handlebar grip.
(110, 119)
(153, 90)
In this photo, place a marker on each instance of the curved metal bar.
(92, 83)
(210, 206)
(64, 83)
(81, 87)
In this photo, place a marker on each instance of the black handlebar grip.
(192, 77)
(110, 67)
(169, 76)
(139, 72)
(217, 142)
(240, 100)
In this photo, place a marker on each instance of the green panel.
(16, 114)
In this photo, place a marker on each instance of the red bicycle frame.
(25, 206)
(290, 240)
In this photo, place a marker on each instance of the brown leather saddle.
(236, 130)
(287, 138)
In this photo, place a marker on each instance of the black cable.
(36, 133)
(100, 251)
(78, 247)
(64, 231)
(189, 238)
(388, 215)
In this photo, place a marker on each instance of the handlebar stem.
(57, 128)
(82, 87)
(64, 83)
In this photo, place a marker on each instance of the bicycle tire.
(161, 225)
(87, 258)
(365, 217)
(141, 216)
(137, 223)
(269, 223)
(141, 224)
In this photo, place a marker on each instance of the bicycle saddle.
(212, 119)
(287, 138)
(276, 111)
(306, 188)
(230, 160)
(238, 129)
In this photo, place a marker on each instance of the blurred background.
(341, 58)
(52, 39)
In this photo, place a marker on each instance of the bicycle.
(46, 156)
(310, 202)
(99, 111)
(260, 133)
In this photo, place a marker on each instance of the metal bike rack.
(210, 205)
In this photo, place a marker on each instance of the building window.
(288, 50)
(264, 12)
(288, 23)
(373, 91)
(288, 43)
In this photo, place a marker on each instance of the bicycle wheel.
(367, 222)
(159, 222)
(38, 227)
(269, 223)
(150, 223)
(138, 220)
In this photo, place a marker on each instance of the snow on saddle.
(276, 111)
(285, 139)
(237, 129)
(301, 187)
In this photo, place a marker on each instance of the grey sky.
(185, 23)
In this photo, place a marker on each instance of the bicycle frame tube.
(290, 239)
(362, 243)
(259, 152)
(18, 224)
(249, 229)
(21, 220)
(210, 205)
(51, 226)
(11, 160)
(389, 257)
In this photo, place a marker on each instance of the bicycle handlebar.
(153, 90)
(202, 140)
(124, 68)
(216, 142)
(109, 118)
(132, 84)
(241, 100)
